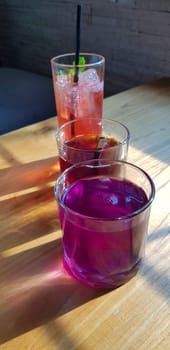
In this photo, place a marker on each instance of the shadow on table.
(158, 279)
(20, 177)
(36, 289)
(158, 274)
(159, 234)
(28, 208)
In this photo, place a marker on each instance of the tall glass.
(78, 88)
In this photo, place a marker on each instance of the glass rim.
(105, 164)
(100, 61)
(124, 141)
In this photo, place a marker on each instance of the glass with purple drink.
(104, 209)
(101, 139)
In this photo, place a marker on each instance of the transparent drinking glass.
(104, 210)
(78, 89)
(80, 140)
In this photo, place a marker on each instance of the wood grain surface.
(41, 307)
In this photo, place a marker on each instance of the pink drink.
(103, 253)
(78, 88)
(84, 100)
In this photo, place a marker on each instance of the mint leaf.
(82, 62)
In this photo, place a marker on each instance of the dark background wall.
(133, 35)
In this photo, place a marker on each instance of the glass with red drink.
(103, 139)
(78, 88)
(104, 210)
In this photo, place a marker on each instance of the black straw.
(78, 22)
(76, 77)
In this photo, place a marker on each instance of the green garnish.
(82, 62)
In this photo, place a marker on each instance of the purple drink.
(104, 256)
(104, 209)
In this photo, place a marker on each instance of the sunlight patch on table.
(26, 191)
(32, 244)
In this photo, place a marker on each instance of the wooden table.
(40, 306)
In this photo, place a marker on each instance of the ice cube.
(89, 76)
(63, 79)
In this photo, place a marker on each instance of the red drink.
(100, 139)
(85, 147)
